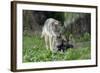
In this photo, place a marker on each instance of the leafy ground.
(34, 51)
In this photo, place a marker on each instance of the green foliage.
(70, 17)
(34, 51)
(85, 37)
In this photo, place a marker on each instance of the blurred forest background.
(76, 24)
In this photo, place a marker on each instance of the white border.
(31, 65)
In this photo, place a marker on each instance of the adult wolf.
(51, 30)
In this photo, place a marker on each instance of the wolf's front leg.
(54, 49)
(46, 42)
(50, 43)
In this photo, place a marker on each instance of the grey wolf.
(50, 31)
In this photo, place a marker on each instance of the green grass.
(34, 51)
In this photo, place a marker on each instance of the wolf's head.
(56, 27)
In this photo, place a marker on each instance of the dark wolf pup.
(62, 44)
